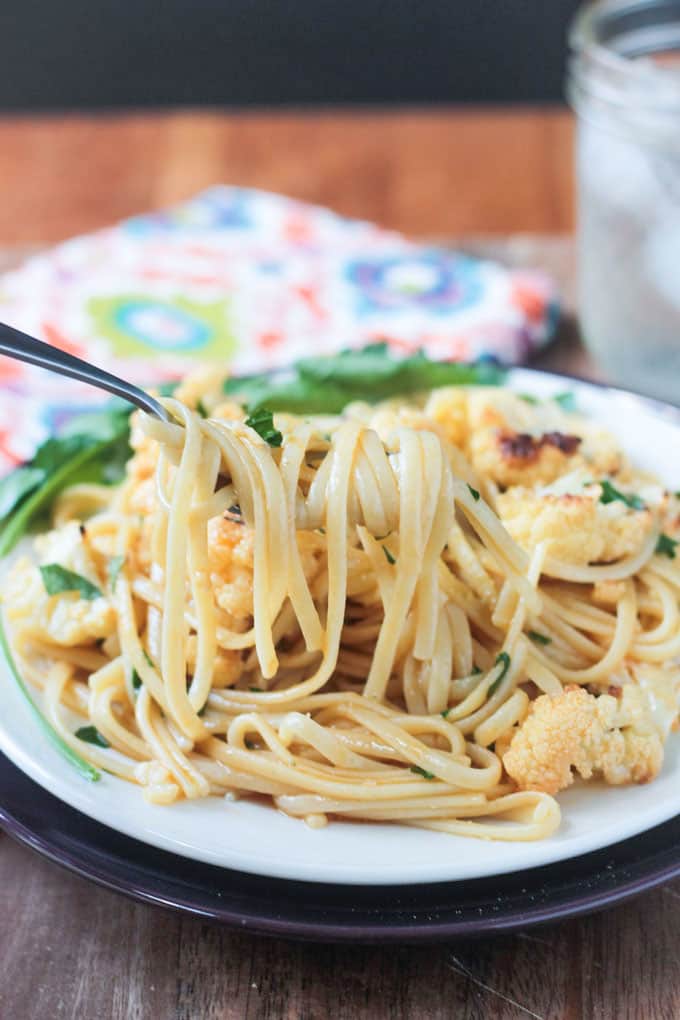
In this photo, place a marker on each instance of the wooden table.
(444, 173)
(69, 949)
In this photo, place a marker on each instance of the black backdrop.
(98, 53)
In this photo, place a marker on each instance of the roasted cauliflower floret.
(142, 464)
(578, 527)
(615, 738)
(514, 441)
(66, 618)
(448, 407)
(231, 554)
(201, 388)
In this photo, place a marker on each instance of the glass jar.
(624, 85)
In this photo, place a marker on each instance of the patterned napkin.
(255, 279)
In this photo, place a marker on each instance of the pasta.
(380, 615)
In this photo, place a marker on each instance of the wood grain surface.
(70, 949)
(443, 173)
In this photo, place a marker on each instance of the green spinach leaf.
(326, 385)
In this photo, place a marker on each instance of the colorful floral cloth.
(255, 279)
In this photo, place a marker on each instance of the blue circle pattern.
(430, 280)
(175, 329)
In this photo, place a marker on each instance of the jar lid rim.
(583, 35)
(591, 54)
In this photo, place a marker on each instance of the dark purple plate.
(332, 913)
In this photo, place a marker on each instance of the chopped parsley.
(201, 409)
(58, 579)
(262, 421)
(610, 493)
(567, 400)
(388, 555)
(528, 398)
(539, 639)
(666, 546)
(422, 772)
(503, 658)
(256, 690)
(136, 678)
(115, 567)
(475, 671)
(474, 493)
(91, 735)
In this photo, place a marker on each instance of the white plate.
(256, 838)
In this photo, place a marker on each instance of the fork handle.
(22, 347)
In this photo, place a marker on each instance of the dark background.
(61, 54)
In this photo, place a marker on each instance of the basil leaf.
(610, 493)
(91, 735)
(503, 658)
(422, 772)
(539, 639)
(58, 579)
(665, 546)
(262, 421)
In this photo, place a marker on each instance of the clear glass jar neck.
(616, 71)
